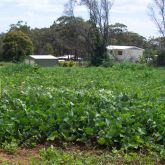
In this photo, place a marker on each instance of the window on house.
(120, 53)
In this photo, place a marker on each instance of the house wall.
(29, 61)
(41, 62)
(46, 62)
(129, 54)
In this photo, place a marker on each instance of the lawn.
(119, 109)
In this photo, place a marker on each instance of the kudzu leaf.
(53, 136)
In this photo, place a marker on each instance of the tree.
(117, 28)
(40, 37)
(121, 36)
(48, 48)
(131, 38)
(20, 26)
(117, 32)
(69, 8)
(99, 18)
(152, 48)
(99, 22)
(83, 35)
(157, 13)
(71, 36)
(1, 45)
(16, 46)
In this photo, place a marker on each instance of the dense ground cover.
(121, 107)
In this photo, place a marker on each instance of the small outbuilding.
(131, 53)
(42, 60)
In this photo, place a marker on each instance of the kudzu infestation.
(121, 107)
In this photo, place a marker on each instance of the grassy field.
(119, 108)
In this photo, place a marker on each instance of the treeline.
(71, 35)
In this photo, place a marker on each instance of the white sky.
(42, 13)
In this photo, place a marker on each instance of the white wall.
(129, 54)
(29, 61)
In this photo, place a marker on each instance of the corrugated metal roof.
(113, 47)
(43, 57)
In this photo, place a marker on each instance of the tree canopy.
(157, 14)
(16, 46)
(99, 11)
(70, 35)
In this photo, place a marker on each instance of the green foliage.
(1, 46)
(108, 63)
(53, 155)
(68, 63)
(68, 35)
(11, 69)
(150, 53)
(142, 60)
(48, 48)
(161, 58)
(121, 36)
(16, 46)
(21, 26)
(99, 54)
(126, 65)
(5, 63)
(121, 106)
(11, 147)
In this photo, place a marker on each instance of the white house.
(42, 60)
(131, 53)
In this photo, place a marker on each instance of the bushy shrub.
(74, 63)
(18, 68)
(161, 58)
(129, 65)
(67, 63)
(11, 147)
(16, 46)
(5, 63)
(108, 63)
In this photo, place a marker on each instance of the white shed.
(42, 60)
(131, 53)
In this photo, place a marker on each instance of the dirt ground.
(21, 156)
(24, 156)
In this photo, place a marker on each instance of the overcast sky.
(42, 13)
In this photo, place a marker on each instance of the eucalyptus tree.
(73, 33)
(1, 45)
(120, 35)
(99, 13)
(99, 25)
(157, 13)
(21, 26)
